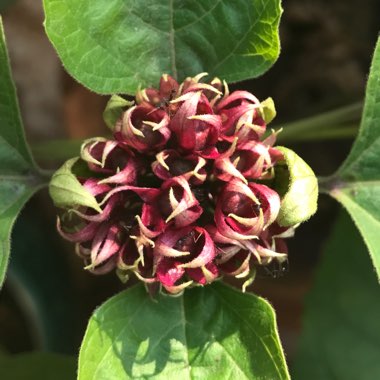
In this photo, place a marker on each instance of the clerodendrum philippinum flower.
(185, 192)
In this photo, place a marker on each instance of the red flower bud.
(171, 163)
(151, 222)
(169, 272)
(271, 243)
(195, 125)
(251, 160)
(178, 203)
(237, 264)
(107, 157)
(244, 211)
(241, 117)
(138, 262)
(189, 250)
(159, 98)
(106, 243)
(144, 128)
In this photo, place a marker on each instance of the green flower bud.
(297, 185)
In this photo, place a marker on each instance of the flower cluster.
(183, 188)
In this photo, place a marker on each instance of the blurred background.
(48, 297)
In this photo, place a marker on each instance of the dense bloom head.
(185, 191)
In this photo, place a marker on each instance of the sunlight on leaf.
(115, 46)
(214, 332)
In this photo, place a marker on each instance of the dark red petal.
(144, 128)
(86, 233)
(105, 244)
(236, 98)
(95, 188)
(207, 253)
(204, 275)
(169, 272)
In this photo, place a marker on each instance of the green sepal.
(268, 110)
(67, 192)
(114, 109)
(297, 185)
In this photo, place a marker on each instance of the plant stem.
(326, 184)
(332, 133)
(315, 125)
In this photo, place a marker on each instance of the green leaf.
(341, 336)
(19, 176)
(214, 332)
(37, 365)
(13, 196)
(115, 46)
(357, 183)
(15, 156)
(114, 109)
(298, 187)
(67, 192)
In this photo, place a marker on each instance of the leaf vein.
(260, 338)
(232, 52)
(199, 18)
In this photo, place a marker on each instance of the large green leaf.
(209, 333)
(113, 46)
(19, 176)
(37, 365)
(341, 337)
(357, 183)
